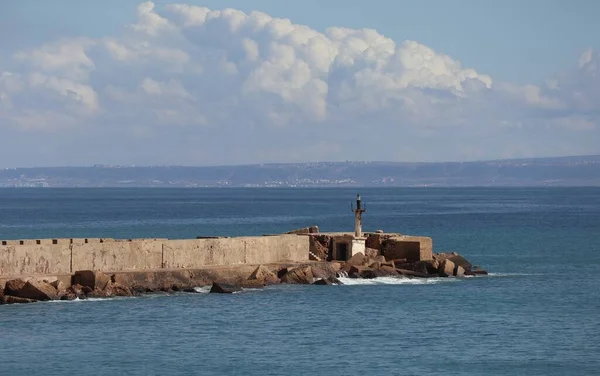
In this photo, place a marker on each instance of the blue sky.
(476, 80)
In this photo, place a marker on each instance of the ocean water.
(538, 313)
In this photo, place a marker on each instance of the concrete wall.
(411, 248)
(35, 259)
(64, 256)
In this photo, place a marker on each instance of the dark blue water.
(538, 314)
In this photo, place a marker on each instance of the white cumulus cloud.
(244, 87)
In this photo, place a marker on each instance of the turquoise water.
(537, 314)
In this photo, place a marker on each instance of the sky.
(221, 82)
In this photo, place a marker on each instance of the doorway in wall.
(342, 251)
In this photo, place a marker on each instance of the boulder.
(415, 266)
(264, 275)
(446, 268)
(9, 299)
(328, 281)
(283, 272)
(68, 295)
(224, 288)
(37, 291)
(92, 279)
(1, 292)
(99, 293)
(253, 284)
(323, 270)
(432, 266)
(12, 286)
(387, 271)
(336, 266)
(116, 289)
(455, 258)
(459, 271)
(357, 260)
(362, 272)
(301, 275)
(58, 285)
(412, 273)
(372, 252)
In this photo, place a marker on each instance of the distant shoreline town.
(558, 171)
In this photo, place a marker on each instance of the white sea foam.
(511, 274)
(395, 281)
(77, 300)
(203, 289)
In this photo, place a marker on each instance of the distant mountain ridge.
(552, 171)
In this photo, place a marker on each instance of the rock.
(336, 266)
(357, 260)
(328, 281)
(283, 272)
(362, 272)
(117, 289)
(9, 299)
(253, 284)
(12, 286)
(387, 271)
(372, 253)
(68, 296)
(455, 258)
(58, 285)
(432, 266)
(446, 268)
(415, 266)
(323, 270)
(459, 271)
(1, 292)
(92, 279)
(98, 293)
(264, 275)
(374, 264)
(37, 291)
(412, 273)
(223, 288)
(302, 275)
(77, 290)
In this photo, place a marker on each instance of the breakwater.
(55, 257)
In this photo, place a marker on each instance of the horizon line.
(101, 165)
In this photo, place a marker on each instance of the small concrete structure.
(346, 245)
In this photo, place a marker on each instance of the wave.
(511, 274)
(77, 300)
(395, 281)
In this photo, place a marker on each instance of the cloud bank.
(191, 85)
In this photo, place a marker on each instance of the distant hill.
(560, 171)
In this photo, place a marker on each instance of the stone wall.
(65, 256)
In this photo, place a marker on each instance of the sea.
(537, 313)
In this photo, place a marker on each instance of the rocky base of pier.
(95, 284)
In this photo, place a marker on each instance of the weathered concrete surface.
(117, 256)
(411, 248)
(235, 251)
(30, 259)
(51, 257)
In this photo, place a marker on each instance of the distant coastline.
(533, 172)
